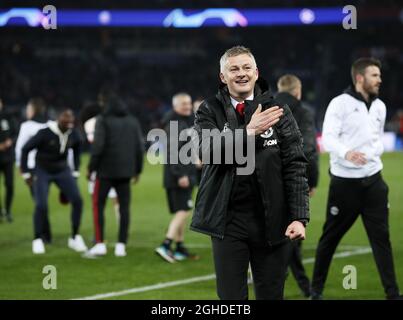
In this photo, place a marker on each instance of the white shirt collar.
(234, 102)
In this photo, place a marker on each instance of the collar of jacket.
(262, 95)
(288, 99)
(352, 92)
(63, 137)
(40, 118)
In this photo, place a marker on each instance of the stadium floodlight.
(231, 18)
(33, 16)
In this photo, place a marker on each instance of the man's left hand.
(296, 231)
(312, 192)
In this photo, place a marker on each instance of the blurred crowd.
(68, 67)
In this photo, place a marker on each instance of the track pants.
(99, 196)
(67, 184)
(348, 198)
(47, 233)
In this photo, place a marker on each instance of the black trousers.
(297, 267)
(245, 243)
(99, 196)
(46, 231)
(8, 171)
(347, 199)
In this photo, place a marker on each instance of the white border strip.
(163, 285)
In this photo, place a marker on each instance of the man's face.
(183, 105)
(66, 120)
(240, 75)
(372, 80)
(29, 112)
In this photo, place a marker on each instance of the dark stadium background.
(69, 65)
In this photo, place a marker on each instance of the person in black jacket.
(251, 217)
(6, 162)
(179, 179)
(116, 158)
(290, 92)
(52, 145)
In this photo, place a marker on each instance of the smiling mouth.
(242, 81)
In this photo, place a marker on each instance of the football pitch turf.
(144, 275)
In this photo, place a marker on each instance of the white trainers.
(77, 244)
(98, 250)
(120, 249)
(38, 247)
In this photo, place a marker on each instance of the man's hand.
(312, 192)
(29, 181)
(8, 143)
(184, 182)
(28, 178)
(358, 158)
(296, 231)
(261, 121)
(88, 175)
(198, 164)
(136, 179)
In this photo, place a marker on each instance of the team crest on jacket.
(267, 133)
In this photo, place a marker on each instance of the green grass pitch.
(21, 272)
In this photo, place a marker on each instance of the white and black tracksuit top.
(352, 124)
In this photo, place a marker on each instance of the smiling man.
(250, 218)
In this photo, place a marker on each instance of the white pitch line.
(157, 286)
(163, 285)
(151, 245)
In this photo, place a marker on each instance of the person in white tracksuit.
(352, 132)
(36, 120)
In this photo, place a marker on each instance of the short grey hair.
(178, 96)
(233, 52)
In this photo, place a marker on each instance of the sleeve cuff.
(26, 175)
(303, 221)
(342, 152)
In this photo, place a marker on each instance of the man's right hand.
(28, 179)
(184, 182)
(358, 158)
(261, 121)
